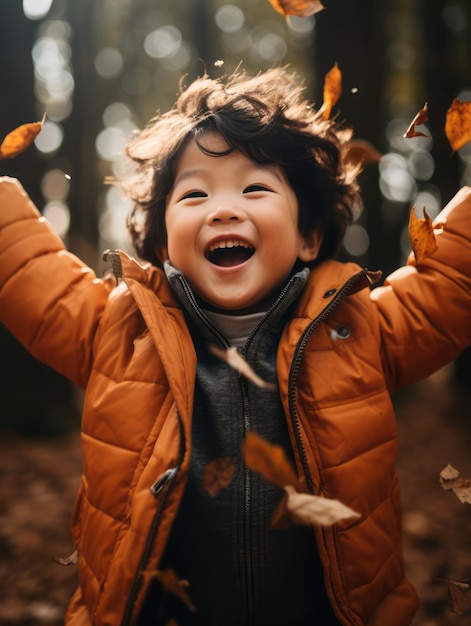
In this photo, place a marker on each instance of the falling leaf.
(233, 358)
(217, 475)
(458, 124)
(422, 236)
(269, 460)
(332, 90)
(359, 151)
(420, 118)
(20, 139)
(69, 560)
(307, 509)
(281, 517)
(299, 8)
(459, 600)
(450, 479)
(172, 584)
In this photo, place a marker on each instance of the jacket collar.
(206, 326)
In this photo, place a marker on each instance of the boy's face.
(232, 227)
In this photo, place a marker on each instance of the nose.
(225, 213)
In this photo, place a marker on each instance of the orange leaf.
(421, 236)
(458, 124)
(359, 151)
(217, 475)
(20, 139)
(332, 90)
(420, 118)
(281, 517)
(171, 584)
(300, 8)
(269, 460)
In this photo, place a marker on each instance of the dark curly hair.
(267, 119)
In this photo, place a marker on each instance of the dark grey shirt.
(240, 571)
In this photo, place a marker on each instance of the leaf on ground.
(19, 139)
(332, 90)
(299, 8)
(459, 599)
(68, 560)
(172, 584)
(308, 510)
(359, 151)
(420, 118)
(450, 479)
(269, 460)
(458, 124)
(235, 360)
(217, 475)
(422, 236)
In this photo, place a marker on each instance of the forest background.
(99, 69)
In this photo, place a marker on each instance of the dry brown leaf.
(450, 479)
(269, 460)
(172, 584)
(217, 475)
(458, 124)
(68, 560)
(308, 510)
(299, 8)
(281, 518)
(420, 118)
(359, 151)
(19, 139)
(422, 236)
(233, 358)
(332, 90)
(459, 600)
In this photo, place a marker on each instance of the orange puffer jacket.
(344, 351)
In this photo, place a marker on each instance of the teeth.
(230, 243)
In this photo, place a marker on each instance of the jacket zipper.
(197, 309)
(293, 374)
(164, 482)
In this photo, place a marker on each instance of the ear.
(309, 246)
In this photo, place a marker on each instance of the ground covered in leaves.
(39, 480)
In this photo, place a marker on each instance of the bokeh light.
(36, 9)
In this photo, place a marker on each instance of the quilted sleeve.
(425, 308)
(49, 299)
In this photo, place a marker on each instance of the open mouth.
(229, 253)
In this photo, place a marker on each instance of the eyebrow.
(253, 166)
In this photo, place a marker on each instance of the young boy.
(242, 197)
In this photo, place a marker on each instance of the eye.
(255, 188)
(194, 194)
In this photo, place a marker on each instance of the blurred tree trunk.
(17, 99)
(36, 401)
(81, 129)
(353, 34)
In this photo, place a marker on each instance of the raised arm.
(425, 309)
(49, 299)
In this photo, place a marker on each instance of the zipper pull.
(166, 477)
